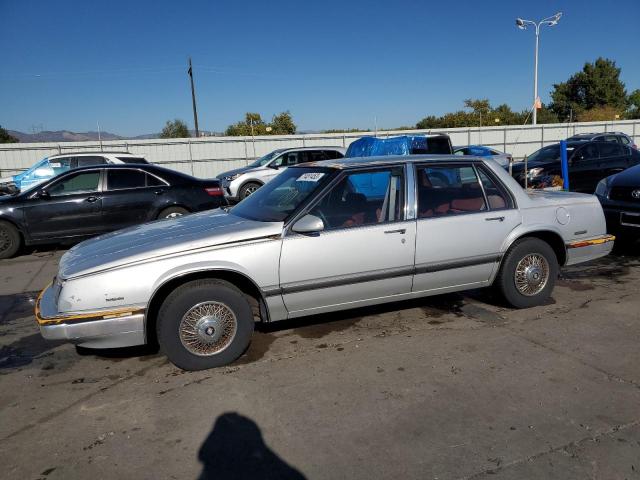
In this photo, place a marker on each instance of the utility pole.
(193, 99)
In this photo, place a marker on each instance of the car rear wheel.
(172, 212)
(204, 324)
(10, 241)
(528, 273)
(248, 188)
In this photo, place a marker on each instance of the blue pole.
(564, 164)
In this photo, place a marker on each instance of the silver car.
(320, 237)
(242, 182)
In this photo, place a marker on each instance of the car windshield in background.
(132, 160)
(439, 145)
(262, 161)
(279, 198)
(546, 154)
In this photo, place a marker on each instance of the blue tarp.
(372, 146)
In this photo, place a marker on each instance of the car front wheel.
(204, 324)
(248, 189)
(528, 273)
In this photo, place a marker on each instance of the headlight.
(231, 178)
(535, 172)
(602, 189)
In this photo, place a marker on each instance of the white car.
(238, 184)
(49, 167)
(321, 237)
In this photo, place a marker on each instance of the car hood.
(7, 179)
(627, 178)
(519, 166)
(162, 238)
(239, 171)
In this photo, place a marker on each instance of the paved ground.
(449, 387)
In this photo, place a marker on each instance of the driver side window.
(363, 198)
(82, 182)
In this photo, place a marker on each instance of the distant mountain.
(67, 136)
(62, 136)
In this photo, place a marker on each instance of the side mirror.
(308, 225)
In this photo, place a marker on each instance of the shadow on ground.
(24, 351)
(235, 449)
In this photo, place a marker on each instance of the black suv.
(619, 137)
(589, 162)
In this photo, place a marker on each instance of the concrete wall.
(208, 156)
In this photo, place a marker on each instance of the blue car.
(49, 167)
(481, 151)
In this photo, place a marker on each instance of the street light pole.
(522, 25)
(193, 99)
(535, 79)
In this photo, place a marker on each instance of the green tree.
(175, 129)
(6, 137)
(597, 85)
(282, 124)
(634, 104)
(480, 108)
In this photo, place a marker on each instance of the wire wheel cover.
(208, 328)
(531, 274)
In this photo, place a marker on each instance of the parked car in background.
(619, 195)
(427, 144)
(51, 166)
(238, 184)
(90, 201)
(481, 151)
(619, 137)
(320, 237)
(589, 162)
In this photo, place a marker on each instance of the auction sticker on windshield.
(310, 177)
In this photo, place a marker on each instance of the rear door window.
(125, 179)
(448, 190)
(496, 195)
(610, 149)
(87, 161)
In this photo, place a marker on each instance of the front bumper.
(579, 251)
(623, 221)
(123, 327)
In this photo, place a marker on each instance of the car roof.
(320, 147)
(356, 162)
(67, 154)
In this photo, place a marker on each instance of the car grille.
(624, 194)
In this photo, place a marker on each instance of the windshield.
(262, 161)
(44, 163)
(546, 154)
(279, 198)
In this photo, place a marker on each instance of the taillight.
(214, 191)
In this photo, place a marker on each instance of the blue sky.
(334, 64)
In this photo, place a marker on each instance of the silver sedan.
(320, 237)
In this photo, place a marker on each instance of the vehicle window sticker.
(310, 177)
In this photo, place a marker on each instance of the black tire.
(185, 299)
(247, 189)
(10, 240)
(506, 279)
(172, 212)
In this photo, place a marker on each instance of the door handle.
(92, 199)
(499, 219)
(159, 192)
(401, 231)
